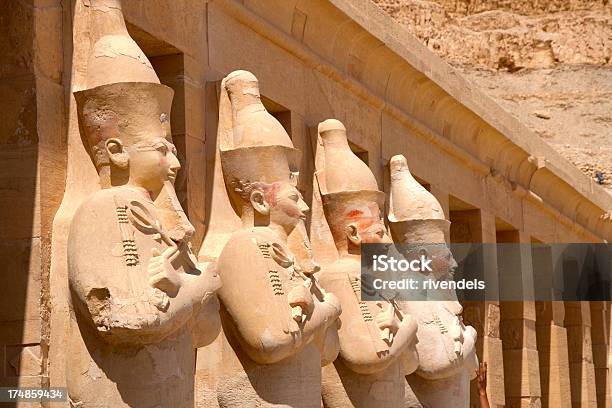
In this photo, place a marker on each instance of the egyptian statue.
(279, 325)
(376, 338)
(446, 347)
(141, 303)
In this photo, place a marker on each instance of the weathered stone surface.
(416, 217)
(377, 339)
(273, 349)
(320, 59)
(141, 303)
(530, 56)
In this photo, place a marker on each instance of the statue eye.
(381, 233)
(162, 148)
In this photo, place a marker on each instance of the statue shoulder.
(103, 202)
(334, 271)
(246, 242)
(99, 201)
(94, 219)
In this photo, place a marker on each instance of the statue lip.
(172, 176)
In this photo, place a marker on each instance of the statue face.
(151, 163)
(287, 207)
(374, 233)
(365, 225)
(443, 263)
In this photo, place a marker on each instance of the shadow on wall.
(32, 179)
(20, 232)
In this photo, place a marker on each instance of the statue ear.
(259, 202)
(352, 233)
(116, 153)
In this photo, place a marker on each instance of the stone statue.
(279, 324)
(446, 347)
(376, 338)
(140, 302)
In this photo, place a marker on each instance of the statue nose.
(175, 164)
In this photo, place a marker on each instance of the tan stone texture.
(548, 63)
(316, 60)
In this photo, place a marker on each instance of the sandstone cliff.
(548, 62)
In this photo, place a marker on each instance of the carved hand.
(161, 275)
(300, 300)
(333, 301)
(387, 322)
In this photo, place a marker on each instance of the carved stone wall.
(314, 60)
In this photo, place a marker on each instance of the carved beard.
(299, 244)
(172, 216)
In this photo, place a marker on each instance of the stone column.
(553, 355)
(478, 226)
(492, 344)
(518, 320)
(442, 197)
(581, 369)
(600, 320)
(609, 330)
(551, 334)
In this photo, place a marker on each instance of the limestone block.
(185, 30)
(582, 381)
(518, 333)
(18, 105)
(558, 388)
(20, 306)
(601, 380)
(577, 313)
(579, 344)
(19, 204)
(17, 40)
(492, 322)
(194, 97)
(521, 373)
(36, 381)
(48, 48)
(195, 174)
(23, 361)
(493, 355)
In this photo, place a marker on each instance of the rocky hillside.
(548, 62)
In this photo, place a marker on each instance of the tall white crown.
(410, 200)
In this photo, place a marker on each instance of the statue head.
(124, 114)
(127, 128)
(417, 219)
(263, 186)
(349, 191)
(277, 203)
(355, 217)
(258, 159)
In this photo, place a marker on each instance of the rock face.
(547, 63)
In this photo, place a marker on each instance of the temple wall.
(314, 60)
(33, 153)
